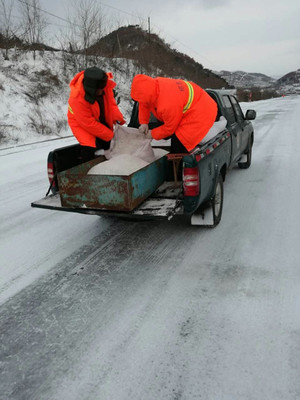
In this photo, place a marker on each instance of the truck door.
(233, 126)
(244, 125)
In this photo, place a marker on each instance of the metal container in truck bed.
(78, 189)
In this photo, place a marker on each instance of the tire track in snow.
(70, 307)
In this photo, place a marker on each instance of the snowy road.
(95, 309)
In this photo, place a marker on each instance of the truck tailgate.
(151, 208)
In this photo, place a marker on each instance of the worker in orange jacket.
(93, 110)
(186, 110)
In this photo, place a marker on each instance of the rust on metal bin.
(109, 192)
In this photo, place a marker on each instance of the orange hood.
(144, 89)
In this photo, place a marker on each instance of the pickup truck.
(193, 182)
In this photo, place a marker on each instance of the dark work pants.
(88, 153)
(176, 148)
(176, 145)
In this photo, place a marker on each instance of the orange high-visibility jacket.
(83, 117)
(184, 108)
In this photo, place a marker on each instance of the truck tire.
(217, 201)
(246, 164)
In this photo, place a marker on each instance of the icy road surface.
(100, 309)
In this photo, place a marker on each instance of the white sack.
(130, 141)
(217, 127)
(130, 152)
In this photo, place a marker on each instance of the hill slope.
(290, 83)
(242, 79)
(154, 56)
(291, 78)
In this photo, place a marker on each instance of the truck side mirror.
(250, 115)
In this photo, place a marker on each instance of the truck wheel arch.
(223, 171)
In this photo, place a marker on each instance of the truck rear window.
(230, 116)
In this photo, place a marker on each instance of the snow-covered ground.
(98, 309)
(34, 93)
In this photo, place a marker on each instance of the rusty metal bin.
(109, 192)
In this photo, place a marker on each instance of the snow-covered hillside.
(288, 84)
(34, 93)
(242, 79)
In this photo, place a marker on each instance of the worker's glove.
(144, 128)
(120, 122)
(148, 135)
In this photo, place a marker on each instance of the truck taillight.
(191, 181)
(51, 173)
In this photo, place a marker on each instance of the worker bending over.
(93, 110)
(186, 110)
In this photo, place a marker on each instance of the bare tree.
(7, 26)
(87, 26)
(34, 22)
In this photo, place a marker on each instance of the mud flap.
(205, 217)
(243, 158)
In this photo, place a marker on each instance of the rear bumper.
(152, 208)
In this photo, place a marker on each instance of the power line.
(127, 13)
(187, 47)
(118, 9)
(47, 12)
(49, 23)
(65, 20)
(171, 36)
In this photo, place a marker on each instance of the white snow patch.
(123, 164)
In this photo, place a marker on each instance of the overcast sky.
(250, 35)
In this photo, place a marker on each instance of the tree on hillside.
(7, 26)
(86, 22)
(34, 23)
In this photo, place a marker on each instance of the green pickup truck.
(187, 184)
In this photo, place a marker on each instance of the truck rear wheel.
(217, 201)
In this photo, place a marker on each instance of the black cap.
(94, 79)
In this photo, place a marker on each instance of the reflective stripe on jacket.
(191, 97)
